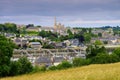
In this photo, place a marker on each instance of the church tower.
(55, 23)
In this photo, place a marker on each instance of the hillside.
(91, 72)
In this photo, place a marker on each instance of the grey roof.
(58, 59)
(17, 40)
(43, 60)
(35, 43)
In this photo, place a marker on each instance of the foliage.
(100, 34)
(117, 52)
(25, 65)
(92, 51)
(87, 37)
(31, 32)
(37, 68)
(64, 65)
(52, 68)
(98, 42)
(8, 27)
(69, 32)
(80, 62)
(103, 58)
(105, 42)
(14, 68)
(6, 51)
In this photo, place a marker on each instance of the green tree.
(100, 34)
(80, 62)
(14, 68)
(98, 42)
(64, 65)
(69, 32)
(6, 51)
(25, 65)
(93, 51)
(117, 52)
(87, 37)
(10, 27)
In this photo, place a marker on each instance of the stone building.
(59, 27)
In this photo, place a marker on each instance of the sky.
(73, 13)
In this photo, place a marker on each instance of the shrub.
(113, 58)
(101, 58)
(39, 68)
(52, 68)
(14, 68)
(25, 65)
(117, 52)
(64, 65)
(80, 62)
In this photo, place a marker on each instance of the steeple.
(55, 22)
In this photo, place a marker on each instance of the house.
(33, 37)
(35, 45)
(60, 45)
(10, 35)
(21, 42)
(47, 29)
(57, 60)
(74, 42)
(43, 61)
(17, 41)
(110, 40)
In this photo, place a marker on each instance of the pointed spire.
(55, 22)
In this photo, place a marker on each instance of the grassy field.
(91, 72)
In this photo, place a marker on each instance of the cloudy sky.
(81, 13)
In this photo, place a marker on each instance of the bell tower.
(55, 23)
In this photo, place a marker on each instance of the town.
(51, 45)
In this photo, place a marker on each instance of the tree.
(98, 42)
(100, 34)
(14, 68)
(10, 27)
(93, 51)
(101, 58)
(117, 52)
(87, 37)
(80, 62)
(64, 65)
(6, 51)
(25, 65)
(81, 39)
(69, 32)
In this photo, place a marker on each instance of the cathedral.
(58, 27)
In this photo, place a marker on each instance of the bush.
(113, 58)
(52, 68)
(39, 68)
(101, 58)
(80, 62)
(64, 65)
(117, 52)
(25, 65)
(14, 68)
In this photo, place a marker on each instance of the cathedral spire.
(55, 22)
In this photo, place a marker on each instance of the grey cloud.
(72, 9)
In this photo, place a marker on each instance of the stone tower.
(55, 23)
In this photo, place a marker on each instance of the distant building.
(43, 61)
(21, 42)
(35, 45)
(59, 27)
(36, 29)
